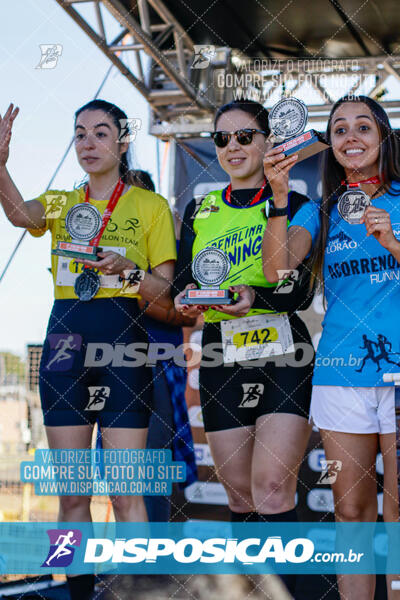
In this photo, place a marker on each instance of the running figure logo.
(286, 282)
(50, 55)
(98, 396)
(62, 350)
(129, 129)
(202, 56)
(55, 203)
(383, 348)
(252, 393)
(62, 547)
(329, 471)
(131, 281)
(205, 205)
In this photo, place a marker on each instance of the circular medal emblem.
(87, 285)
(352, 205)
(83, 222)
(210, 267)
(288, 118)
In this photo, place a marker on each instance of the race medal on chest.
(85, 223)
(87, 285)
(352, 205)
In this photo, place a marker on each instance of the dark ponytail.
(126, 173)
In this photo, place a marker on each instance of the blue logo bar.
(199, 547)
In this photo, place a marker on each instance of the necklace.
(257, 197)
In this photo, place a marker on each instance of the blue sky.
(42, 131)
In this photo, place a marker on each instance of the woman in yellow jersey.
(87, 373)
(255, 411)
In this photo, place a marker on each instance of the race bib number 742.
(259, 336)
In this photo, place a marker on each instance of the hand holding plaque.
(287, 121)
(83, 223)
(210, 268)
(86, 226)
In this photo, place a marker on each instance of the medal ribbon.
(112, 203)
(256, 198)
(376, 179)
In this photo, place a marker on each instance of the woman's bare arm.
(282, 250)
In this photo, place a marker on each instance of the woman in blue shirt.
(356, 262)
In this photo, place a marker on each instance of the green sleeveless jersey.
(239, 233)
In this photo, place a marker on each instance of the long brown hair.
(333, 174)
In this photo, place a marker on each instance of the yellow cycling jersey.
(140, 228)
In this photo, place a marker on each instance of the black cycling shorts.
(235, 396)
(81, 377)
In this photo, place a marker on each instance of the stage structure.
(192, 56)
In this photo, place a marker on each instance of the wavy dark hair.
(333, 174)
(252, 108)
(126, 173)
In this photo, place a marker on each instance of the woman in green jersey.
(255, 405)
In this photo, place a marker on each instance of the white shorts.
(353, 409)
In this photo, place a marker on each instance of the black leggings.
(235, 396)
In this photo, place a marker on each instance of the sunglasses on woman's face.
(243, 136)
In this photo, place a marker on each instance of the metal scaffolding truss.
(156, 34)
(184, 91)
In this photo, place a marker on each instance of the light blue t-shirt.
(361, 329)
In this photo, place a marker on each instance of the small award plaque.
(352, 205)
(83, 222)
(287, 121)
(210, 267)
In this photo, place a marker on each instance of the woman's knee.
(356, 511)
(238, 489)
(273, 494)
(239, 496)
(124, 504)
(70, 504)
